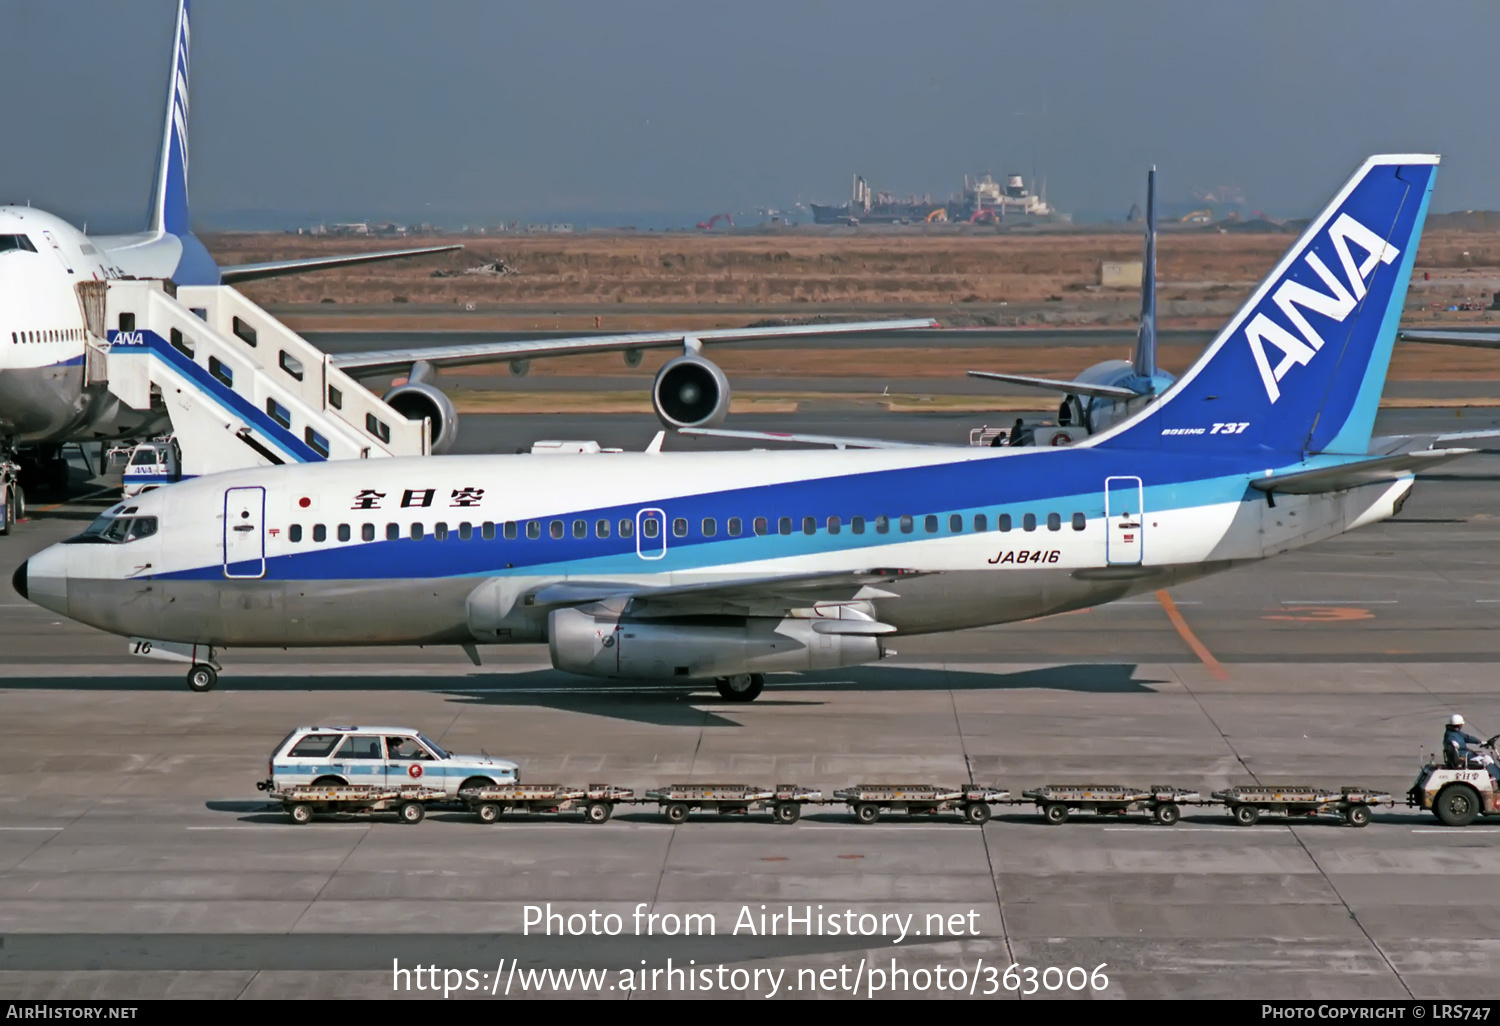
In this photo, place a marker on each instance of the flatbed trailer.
(784, 801)
(1163, 801)
(596, 801)
(1351, 804)
(869, 801)
(409, 803)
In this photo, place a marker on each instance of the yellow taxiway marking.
(1186, 632)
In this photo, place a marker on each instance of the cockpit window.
(21, 242)
(114, 530)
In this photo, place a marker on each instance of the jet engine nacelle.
(690, 392)
(419, 399)
(645, 650)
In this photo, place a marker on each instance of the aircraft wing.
(396, 360)
(837, 441)
(762, 593)
(1452, 440)
(1073, 387)
(275, 268)
(1362, 472)
(1477, 339)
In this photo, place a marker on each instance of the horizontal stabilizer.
(1477, 339)
(1070, 387)
(1342, 476)
(277, 268)
(837, 441)
(400, 360)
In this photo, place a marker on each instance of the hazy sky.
(663, 112)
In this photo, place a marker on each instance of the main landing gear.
(202, 677)
(742, 687)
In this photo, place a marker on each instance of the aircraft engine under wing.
(276, 268)
(390, 361)
(1341, 476)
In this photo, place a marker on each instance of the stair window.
(316, 442)
(244, 332)
(335, 398)
(181, 343)
(127, 322)
(373, 424)
(279, 413)
(289, 363)
(221, 373)
(200, 312)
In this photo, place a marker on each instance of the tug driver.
(1462, 750)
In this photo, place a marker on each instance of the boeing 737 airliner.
(725, 566)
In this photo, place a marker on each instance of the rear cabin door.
(245, 533)
(650, 533)
(1124, 521)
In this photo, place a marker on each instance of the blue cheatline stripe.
(226, 397)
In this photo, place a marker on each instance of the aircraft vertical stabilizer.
(169, 203)
(1144, 359)
(1301, 367)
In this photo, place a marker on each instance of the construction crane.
(938, 215)
(712, 221)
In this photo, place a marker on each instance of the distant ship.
(983, 200)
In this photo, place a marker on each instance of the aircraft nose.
(43, 579)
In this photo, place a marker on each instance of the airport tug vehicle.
(1457, 795)
(596, 801)
(1351, 804)
(1056, 802)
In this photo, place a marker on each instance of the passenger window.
(760, 525)
(313, 746)
(533, 529)
(1054, 521)
(279, 413)
(320, 533)
(487, 531)
(416, 532)
(510, 530)
(1028, 522)
(580, 529)
(833, 525)
(220, 372)
(367, 532)
(1080, 522)
(882, 524)
(930, 524)
(784, 525)
(555, 529)
(440, 530)
(360, 746)
(601, 529)
(627, 528)
(710, 527)
(344, 532)
(392, 532)
(734, 527)
(650, 527)
(809, 525)
(1002, 522)
(294, 533)
(906, 524)
(465, 531)
(980, 523)
(376, 426)
(956, 523)
(679, 527)
(316, 442)
(857, 525)
(243, 332)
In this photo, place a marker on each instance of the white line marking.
(284, 826)
(1340, 602)
(1172, 829)
(31, 828)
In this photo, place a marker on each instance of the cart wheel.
(202, 678)
(413, 812)
(866, 813)
(488, 812)
(1167, 813)
(1457, 805)
(787, 812)
(301, 812)
(977, 813)
(598, 812)
(1357, 815)
(1055, 813)
(675, 812)
(1246, 815)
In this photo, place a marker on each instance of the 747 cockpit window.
(20, 242)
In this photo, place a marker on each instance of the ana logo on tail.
(1336, 305)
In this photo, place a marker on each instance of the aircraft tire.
(743, 687)
(202, 677)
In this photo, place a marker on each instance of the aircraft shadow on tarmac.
(660, 704)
